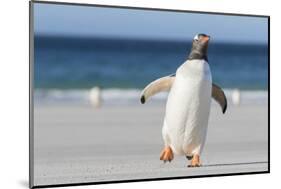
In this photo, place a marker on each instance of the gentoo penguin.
(188, 105)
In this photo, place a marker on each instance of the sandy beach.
(77, 143)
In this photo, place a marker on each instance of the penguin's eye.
(196, 38)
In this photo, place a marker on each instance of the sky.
(68, 20)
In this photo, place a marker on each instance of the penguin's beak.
(206, 38)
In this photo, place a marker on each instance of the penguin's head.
(199, 46)
(202, 38)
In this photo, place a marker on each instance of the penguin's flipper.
(159, 85)
(219, 96)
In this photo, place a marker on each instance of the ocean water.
(67, 67)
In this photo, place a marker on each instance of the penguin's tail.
(189, 157)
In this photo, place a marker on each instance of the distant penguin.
(236, 97)
(95, 97)
(188, 105)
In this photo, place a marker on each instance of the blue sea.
(67, 67)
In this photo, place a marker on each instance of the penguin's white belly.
(188, 107)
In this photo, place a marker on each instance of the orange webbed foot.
(195, 161)
(167, 154)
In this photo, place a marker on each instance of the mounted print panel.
(122, 94)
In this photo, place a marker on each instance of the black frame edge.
(31, 63)
(268, 80)
(150, 179)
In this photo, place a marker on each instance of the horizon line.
(136, 38)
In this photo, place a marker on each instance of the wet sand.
(77, 143)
